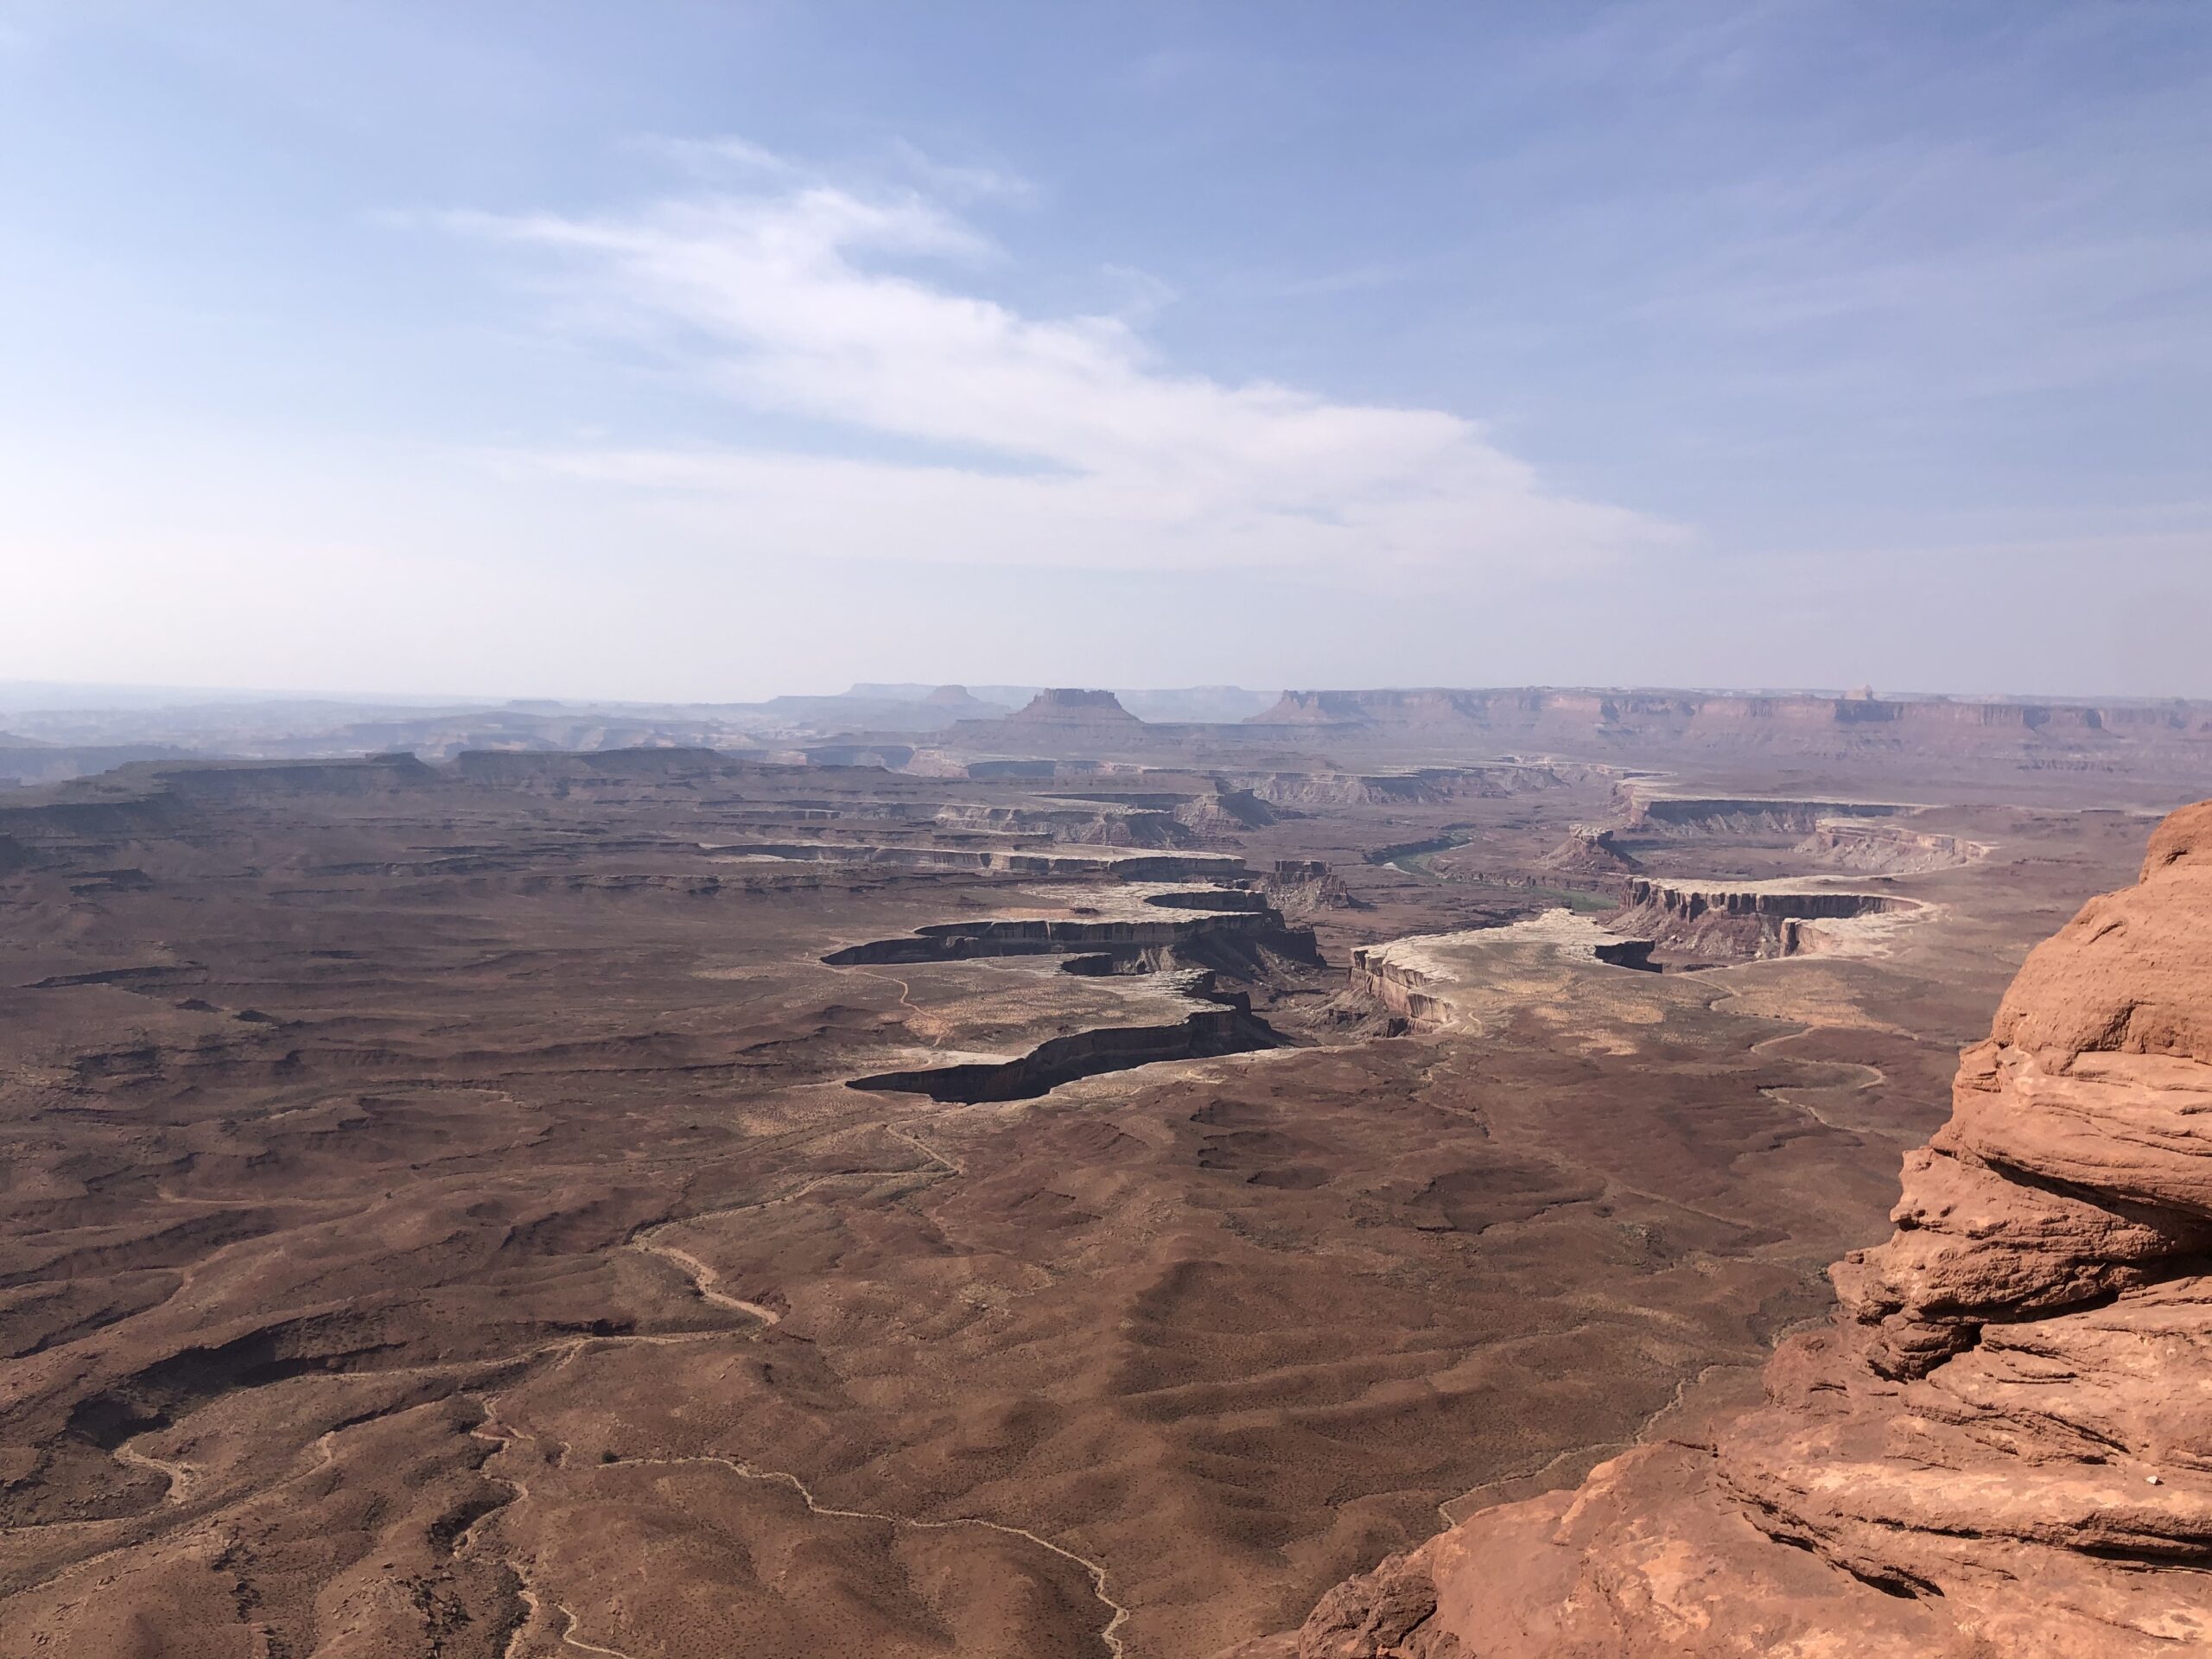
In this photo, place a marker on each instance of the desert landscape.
(1068, 1184)
(978, 832)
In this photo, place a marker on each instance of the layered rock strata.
(1747, 920)
(1889, 849)
(1677, 817)
(2002, 1441)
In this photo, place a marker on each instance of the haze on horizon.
(706, 352)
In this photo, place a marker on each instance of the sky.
(705, 352)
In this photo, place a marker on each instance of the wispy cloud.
(1049, 439)
(961, 182)
(718, 159)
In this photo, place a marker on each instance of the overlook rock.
(2002, 1441)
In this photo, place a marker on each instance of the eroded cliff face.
(1743, 922)
(1398, 988)
(2001, 1444)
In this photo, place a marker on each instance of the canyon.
(1995, 1445)
(1075, 1184)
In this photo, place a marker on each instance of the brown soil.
(437, 1220)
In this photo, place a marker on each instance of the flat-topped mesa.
(1648, 816)
(2002, 1441)
(1067, 705)
(959, 699)
(1419, 707)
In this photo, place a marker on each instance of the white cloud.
(1058, 441)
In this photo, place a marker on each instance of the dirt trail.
(568, 1638)
(924, 1023)
(1786, 1093)
(179, 1475)
(1111, 1634)
(503, 1436)
(705, 1280)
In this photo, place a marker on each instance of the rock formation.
(2002, 1441)
(1888, 848)
(958, 698)
(1224, 812)
(1062, 706)
(1679, 817)
(1591, 849)
(1744, 920)
(1299, 887)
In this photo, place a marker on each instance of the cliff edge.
(2001, 1443)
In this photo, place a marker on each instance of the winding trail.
(1111, 1634)
(179, 1475)
(572, 1639)
(1783, 1094)
(703, 1278)
(899, 1131)
(503, 1436)
(183, 1482)
(569, 1636)
(706, 1280)
(921, 1020)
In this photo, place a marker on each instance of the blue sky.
(710, 351)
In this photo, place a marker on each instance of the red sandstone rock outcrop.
(2001, 1444)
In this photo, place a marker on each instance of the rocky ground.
(438, 1216)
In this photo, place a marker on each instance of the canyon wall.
(1889, 849)
(1398, 988)
(1750, 920)
(2001, 1442)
